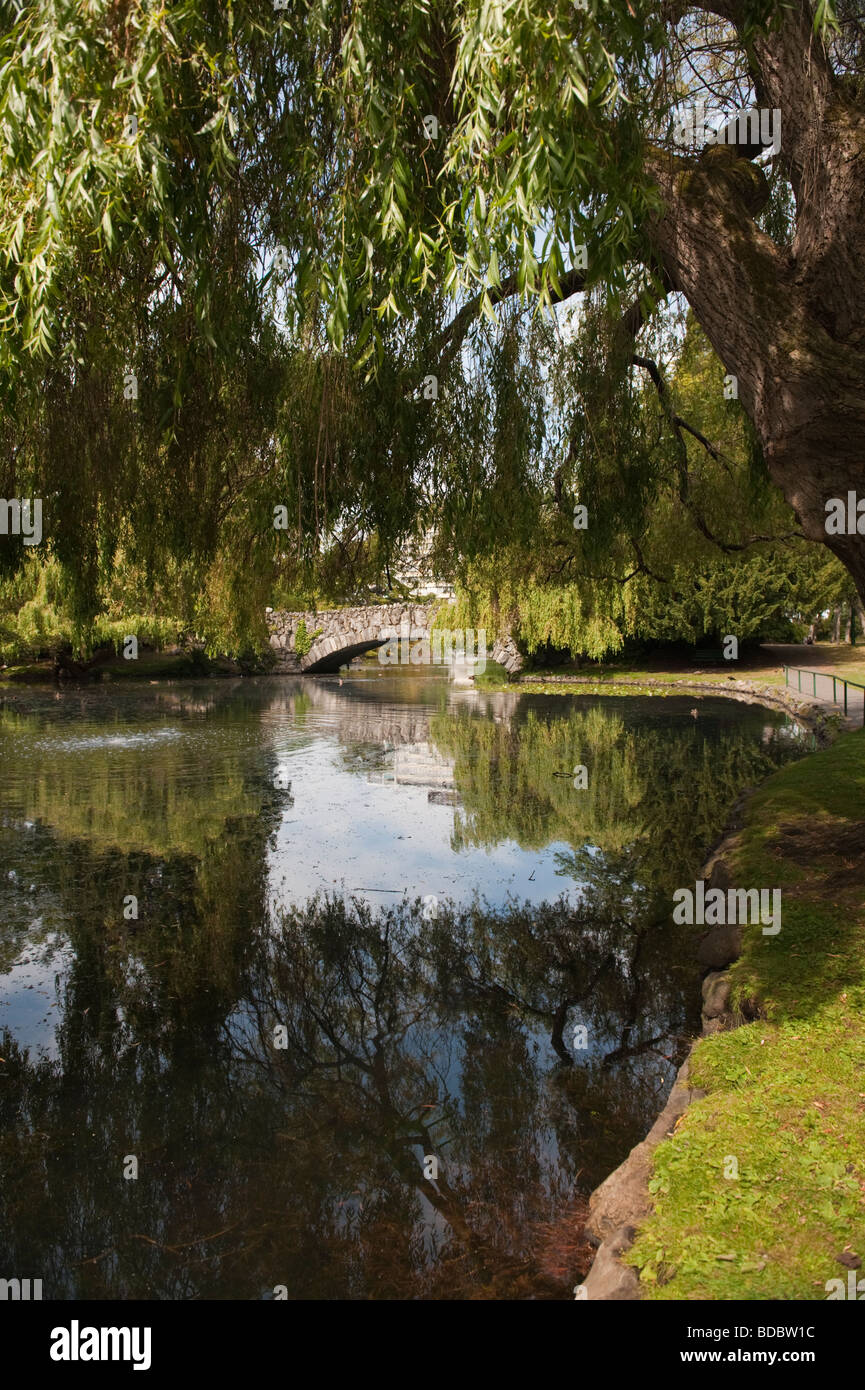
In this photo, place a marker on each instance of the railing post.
(814, 673)
(800, 682)
(845, 697)
(835, 689)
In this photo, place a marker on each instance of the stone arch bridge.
(340, 634)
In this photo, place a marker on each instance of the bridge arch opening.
(319, 663)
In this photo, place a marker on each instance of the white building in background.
(415, 569)
(420, 765)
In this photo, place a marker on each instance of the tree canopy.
(309, 258)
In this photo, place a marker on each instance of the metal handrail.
(805, 671)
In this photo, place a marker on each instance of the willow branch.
(677, 425)
(451, 338)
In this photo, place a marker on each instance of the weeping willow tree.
(259, 262)
(636, 528)
(170, 389)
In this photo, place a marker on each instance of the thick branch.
(793, 75)
(734, 277)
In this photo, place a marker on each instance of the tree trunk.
(836, 625)
(788, 323)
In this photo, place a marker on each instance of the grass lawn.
(764, 664)
(787, 1093)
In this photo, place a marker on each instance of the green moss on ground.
(786, 1093)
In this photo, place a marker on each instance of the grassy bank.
(649, 676)
(149, 666)
(764, 664)
(786, 1094)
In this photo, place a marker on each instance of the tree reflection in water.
(303, 1165)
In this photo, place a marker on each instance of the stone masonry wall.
(343, 629)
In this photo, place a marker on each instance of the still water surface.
(374, 917)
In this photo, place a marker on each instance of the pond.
(342, 987)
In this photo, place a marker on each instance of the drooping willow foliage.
(231, 252)
(680, 540)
